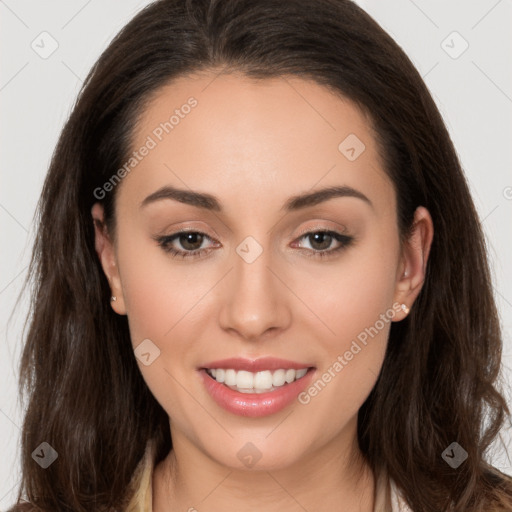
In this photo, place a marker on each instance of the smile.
(255, 388)
(259, 382)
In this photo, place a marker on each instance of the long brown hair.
(86, 395)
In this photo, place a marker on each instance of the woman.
(258, 285)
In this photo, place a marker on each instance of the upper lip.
(256, 365)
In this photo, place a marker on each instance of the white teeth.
(278, 379)
(230, 378)
(289, 376)
(258, 382)
(244, 379)
(300, 373)
(263, 380)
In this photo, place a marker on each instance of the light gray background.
(472, 91)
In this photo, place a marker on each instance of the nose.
(254, 301)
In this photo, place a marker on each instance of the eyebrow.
(294, 203)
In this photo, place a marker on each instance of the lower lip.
(254, 405)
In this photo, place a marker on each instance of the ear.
(411, 270)
(106, 254)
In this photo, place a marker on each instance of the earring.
(113, 298)
(405, 309)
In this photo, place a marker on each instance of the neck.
(332, 477)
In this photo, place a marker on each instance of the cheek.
(160, 293)
(167, 303)
(353, 299)
(349, 293)
(163, 303)
(350, 364)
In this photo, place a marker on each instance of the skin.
(254, 144)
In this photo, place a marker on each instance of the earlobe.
(106, 254)
(413, 265)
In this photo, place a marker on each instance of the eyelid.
(177, 228)
(311, 228)
(322, 227)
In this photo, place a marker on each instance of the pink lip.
(255, 404)
(256, 365)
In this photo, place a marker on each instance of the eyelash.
(165, 243)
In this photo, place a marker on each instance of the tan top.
(388, 499)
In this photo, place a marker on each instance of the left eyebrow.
(294, 203)
(319, 196)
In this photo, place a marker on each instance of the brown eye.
(184, 244)
(321, 242)
(191, 241)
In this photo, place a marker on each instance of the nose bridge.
(254, 302)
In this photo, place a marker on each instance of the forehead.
(268, 138)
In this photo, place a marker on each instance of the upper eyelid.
(341, 229)
(175, 236)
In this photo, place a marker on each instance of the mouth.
(256, 382)
(255, 388)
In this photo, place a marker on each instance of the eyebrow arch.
(319, 196)
(294, 203)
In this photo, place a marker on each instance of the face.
(266, 272)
